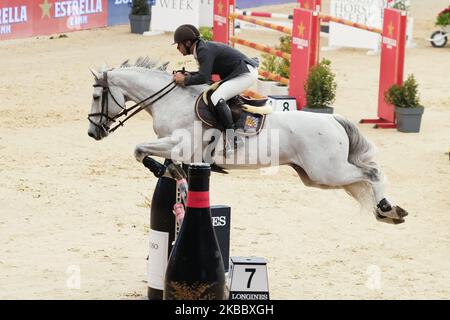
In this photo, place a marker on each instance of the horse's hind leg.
(365, 185)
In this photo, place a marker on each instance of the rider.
(237, 72)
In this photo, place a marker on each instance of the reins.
(104, 84)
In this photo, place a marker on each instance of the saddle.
(248, 114)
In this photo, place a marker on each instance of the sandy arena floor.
(70, 203)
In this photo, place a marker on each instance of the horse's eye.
(95, 97)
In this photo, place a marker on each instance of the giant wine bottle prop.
(195, 268)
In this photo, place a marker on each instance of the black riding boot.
(224, 113)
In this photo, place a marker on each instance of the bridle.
(104, 112)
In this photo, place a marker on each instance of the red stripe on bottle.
(198, 199)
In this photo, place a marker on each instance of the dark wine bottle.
(195, 268)
(162, 234)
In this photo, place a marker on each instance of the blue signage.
(118, 11)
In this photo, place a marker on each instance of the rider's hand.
(179, 78)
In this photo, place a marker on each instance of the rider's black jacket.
(218, 58)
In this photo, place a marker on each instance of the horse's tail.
(361, 154)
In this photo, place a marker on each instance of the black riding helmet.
(185, 32)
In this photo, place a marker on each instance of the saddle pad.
(247, 124)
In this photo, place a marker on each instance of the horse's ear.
(163, 67)
(95, 74)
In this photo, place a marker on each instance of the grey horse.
(327, 151)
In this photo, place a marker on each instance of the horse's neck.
(173, 111)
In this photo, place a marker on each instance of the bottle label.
(157, 258)
(198, 199)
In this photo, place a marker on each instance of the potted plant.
(405, 99)
(140, 16)
(438, 38)
(320, 88)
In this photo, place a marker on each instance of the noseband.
(105, 112)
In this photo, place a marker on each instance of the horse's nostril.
(90, 134)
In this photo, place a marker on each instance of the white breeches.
(236, 85)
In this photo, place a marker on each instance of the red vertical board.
(222, 26)
(16, 19)
(304, 52)
(392, 58)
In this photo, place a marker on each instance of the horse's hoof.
(389, 220)
(400, 211)
(395, 213)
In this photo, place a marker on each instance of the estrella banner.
(54, 16)
(26, 18)
(16, 19)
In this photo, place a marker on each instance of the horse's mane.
(141, 62)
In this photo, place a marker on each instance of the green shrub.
(405, 95)
(284, 65)
(206, 33)
(140, 8)
(443, 18)
(275, 64)
(320, 86)
(268, 62)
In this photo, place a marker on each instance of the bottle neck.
(198, 194)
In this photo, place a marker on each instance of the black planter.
(139, 24)
(409, 119)
(318, 110)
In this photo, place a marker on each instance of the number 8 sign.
(248, 279)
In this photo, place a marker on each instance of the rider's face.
(182, 48)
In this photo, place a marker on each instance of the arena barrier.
(305, 48)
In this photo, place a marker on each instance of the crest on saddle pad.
(248, 114)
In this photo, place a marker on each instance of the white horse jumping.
(327, 151)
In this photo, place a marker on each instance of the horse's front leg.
(164, 148)
(159, 148)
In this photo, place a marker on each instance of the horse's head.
(108, 103)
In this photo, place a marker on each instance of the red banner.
(24, 18)
(54, 16)
(16, 19)
(304, 52)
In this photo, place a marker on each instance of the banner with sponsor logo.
(54, 16)
(16, 20)
(25, 18)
